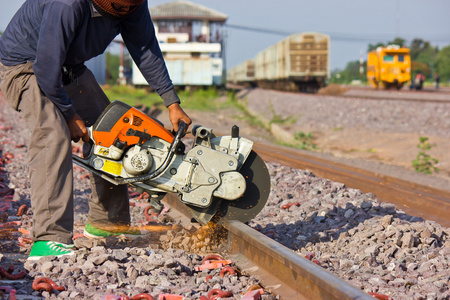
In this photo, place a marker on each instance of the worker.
(418, 83)
(436, 80)
(43, 76)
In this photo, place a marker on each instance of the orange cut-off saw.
(219, 178)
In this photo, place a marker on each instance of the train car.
(389, 67)
(242, 74)
(300, 62)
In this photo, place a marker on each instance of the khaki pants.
(50, 155)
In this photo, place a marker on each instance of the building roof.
(182, 9)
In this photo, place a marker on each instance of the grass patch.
(424, 163)
(278, 119)
(242, 107)
(131, 95)
(202, 99)
(198, 99)
(305, 141)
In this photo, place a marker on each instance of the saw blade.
(249, 205)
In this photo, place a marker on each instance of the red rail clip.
(253, 295)
(309, 256)
(12, 295)
(226, 271)
(22, 210)
(9, 275)
(84, 176)
(150, 217)
(288, 205)
(170, 297)
(212, 265)
(44, 283)
(380, 296)
(217, 293)
(143, 296)
(212, 257)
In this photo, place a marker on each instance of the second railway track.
(416, 199)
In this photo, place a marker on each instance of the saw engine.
(220, 178)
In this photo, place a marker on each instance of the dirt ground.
(388, 148)
(398, 149)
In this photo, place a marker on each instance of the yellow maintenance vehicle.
(389, 67)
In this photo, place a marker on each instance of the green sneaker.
(95, 233)
(49, 248)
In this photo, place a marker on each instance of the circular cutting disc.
(256, 193)
(245, 208)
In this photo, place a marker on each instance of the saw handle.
(181, 128)
(87, 148)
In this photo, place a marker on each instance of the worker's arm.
(139, 36)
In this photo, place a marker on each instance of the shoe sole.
(92, 236)
(39, 257)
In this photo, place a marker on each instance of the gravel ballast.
(373, 245)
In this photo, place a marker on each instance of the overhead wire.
(444, 38)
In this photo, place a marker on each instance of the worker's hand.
(176, 115)
(78, 129)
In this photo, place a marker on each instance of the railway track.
(427, 95)
(290, 276)
(419, 200)
(281, 271)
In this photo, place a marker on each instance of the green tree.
(398, 41)
(351, 72)
(421, 67)
(427, 56)
(442, 63)
(373, 47)
(112, 65)
(417, 47)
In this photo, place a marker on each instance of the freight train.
(300, 62)
(389, 67)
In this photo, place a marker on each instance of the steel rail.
(373, 97)
(280, 270)
(424, 95)
(415, 199)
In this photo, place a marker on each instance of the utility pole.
(361, 64)
(397, 21)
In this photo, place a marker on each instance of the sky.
(351, 24)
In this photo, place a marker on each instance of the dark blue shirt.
(53, 33)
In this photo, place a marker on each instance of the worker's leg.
(109, 203)
(49, 155)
